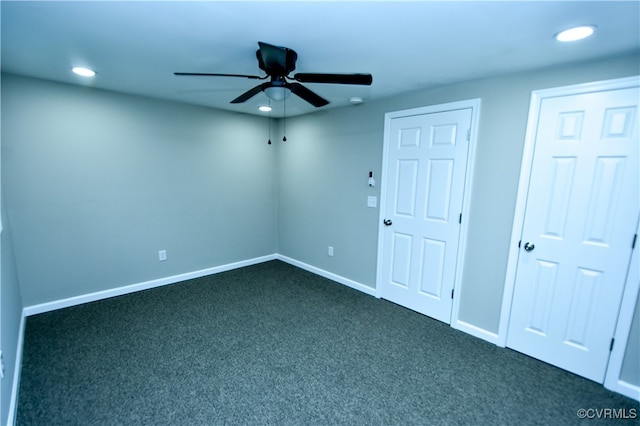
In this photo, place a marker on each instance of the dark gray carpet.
(273, 344)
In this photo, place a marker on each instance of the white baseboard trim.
(13, 403)
(330, 275)
(475, 331)
(625, 388)
(119, 291)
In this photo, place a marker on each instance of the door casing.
(474, 104)
(632, 286)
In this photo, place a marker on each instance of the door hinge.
(633, 243)
(452, 293)
(460, 218)
(469, 135)
(611, 345)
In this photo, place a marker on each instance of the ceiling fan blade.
(361, 79)
(306, 94)
(253, 77)
(248, 94)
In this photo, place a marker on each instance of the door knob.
(529, 246)
(387, 222)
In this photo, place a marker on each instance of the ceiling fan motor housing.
(276, 60)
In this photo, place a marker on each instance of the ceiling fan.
(278, 62)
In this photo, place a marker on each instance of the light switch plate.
(372, 201)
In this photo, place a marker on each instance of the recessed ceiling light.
(85, 72)
(576, 33)
(264, 108)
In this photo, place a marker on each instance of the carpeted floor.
(272, 344)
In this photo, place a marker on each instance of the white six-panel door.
(426, 159)
(581, 212)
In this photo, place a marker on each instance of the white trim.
(464, 227)
(119, 291)
(326, 274)
(430, 109)
(537, 97)
(626, 389)
(13, 404)
(475, 331)
(384, 176)
(623, 328)
(475, 105)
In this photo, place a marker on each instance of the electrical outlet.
(330, 251)
(162, 255)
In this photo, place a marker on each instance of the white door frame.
(474, 104)
(631, 293)
(537, 96)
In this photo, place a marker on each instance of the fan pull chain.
(284, 122)
(269, 119)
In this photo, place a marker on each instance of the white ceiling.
(135, 46)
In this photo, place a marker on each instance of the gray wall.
(10, 315)
(97, 182)
(323, 174)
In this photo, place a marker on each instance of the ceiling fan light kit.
(277, 93)
(278, 62)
